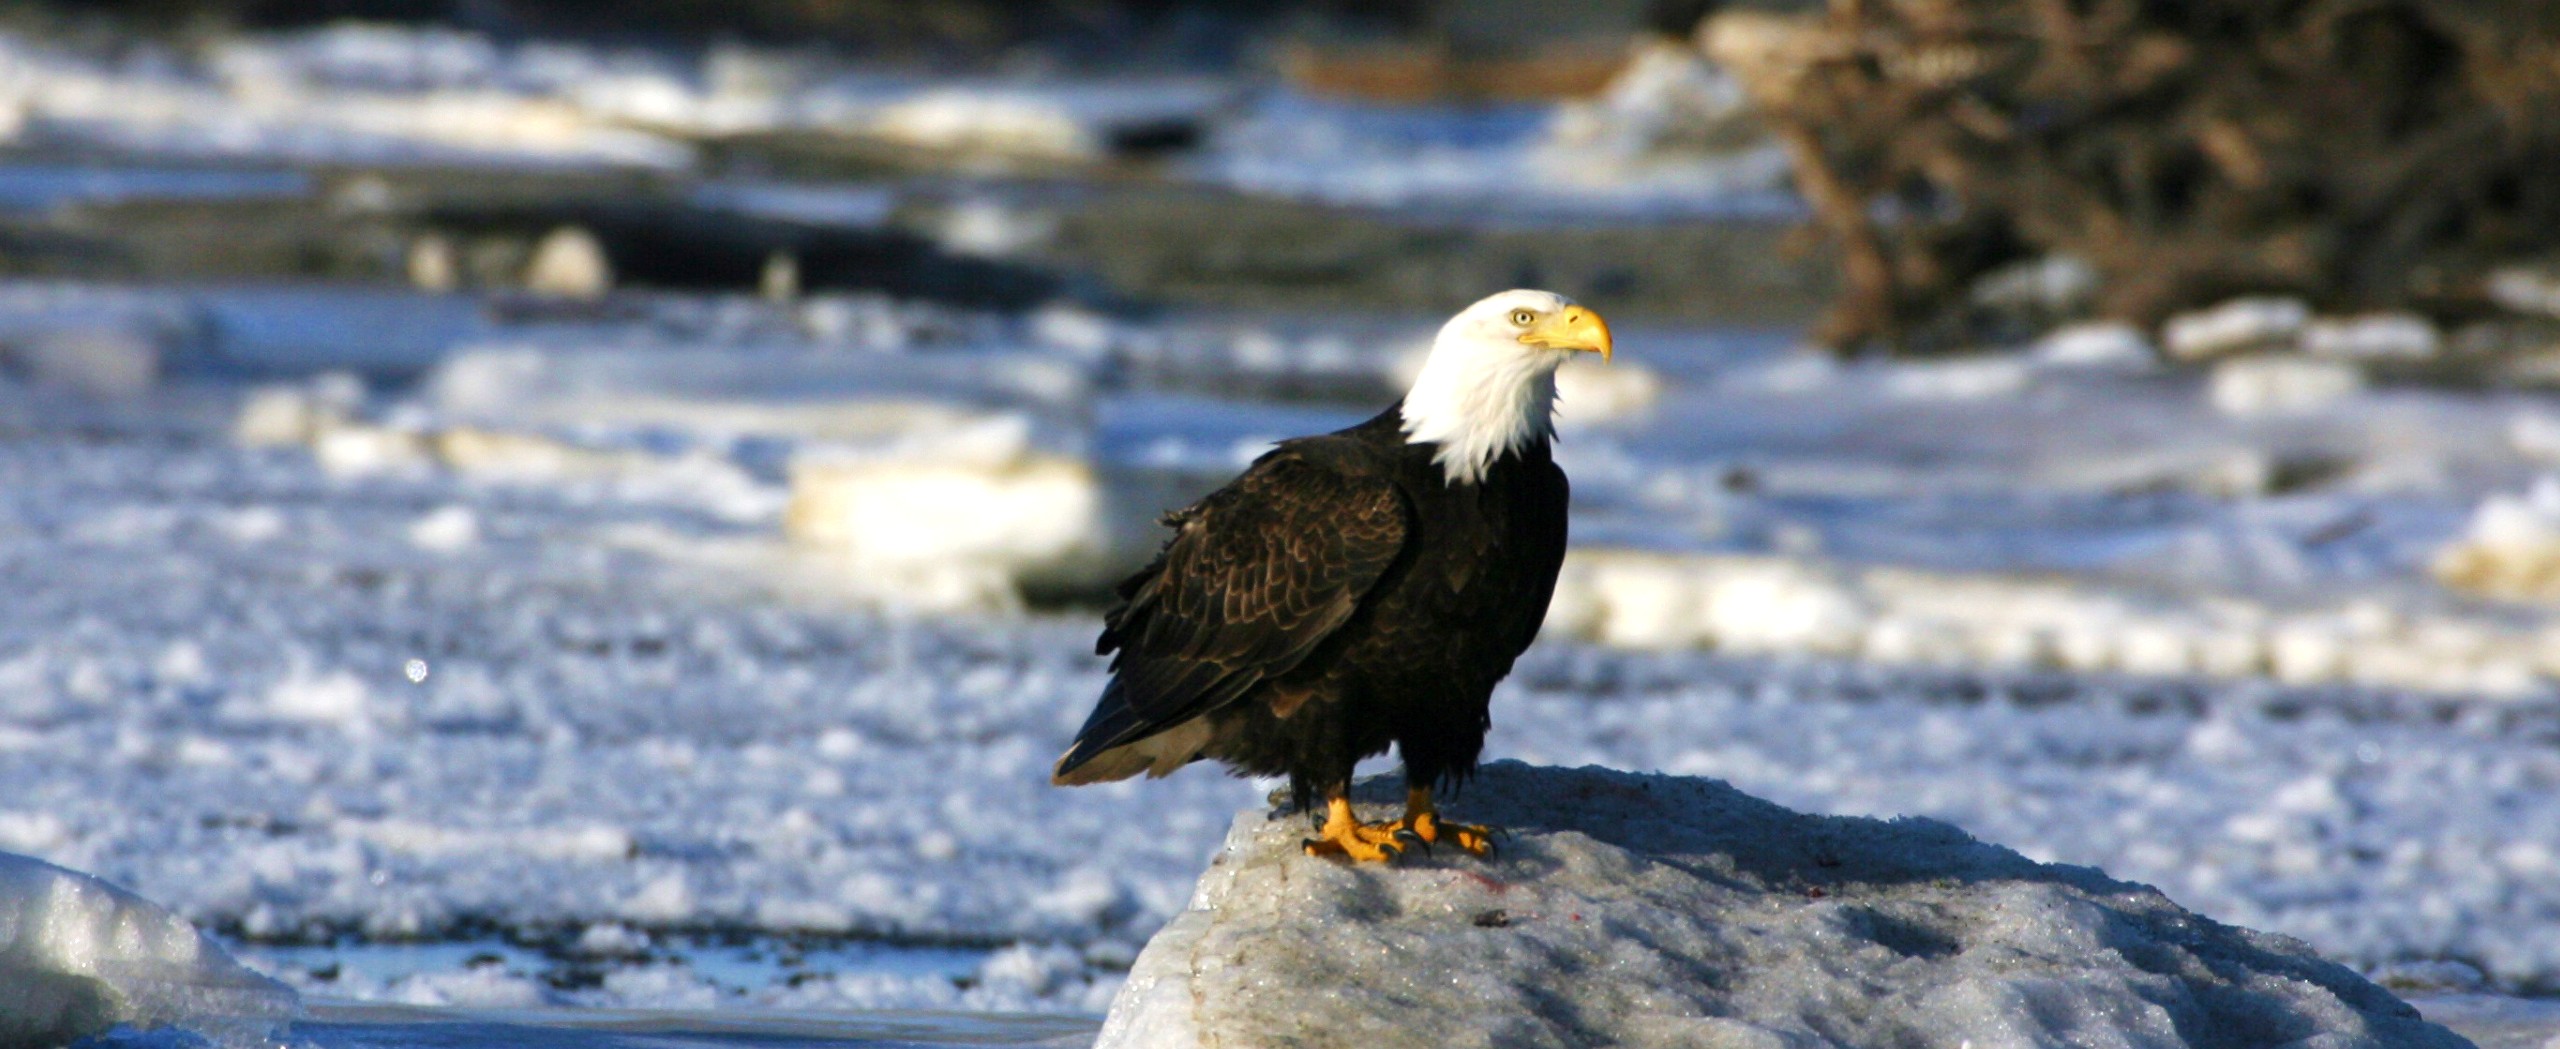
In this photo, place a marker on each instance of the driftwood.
(2360, 154)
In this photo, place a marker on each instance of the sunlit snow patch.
(960, 522)
(346, 94)
(79, 956)
(1521, 158)
(1052, 122)
(1752, 604)
(2512, 549)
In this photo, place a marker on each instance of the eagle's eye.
(1524, 318)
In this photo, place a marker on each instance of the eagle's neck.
(1480, 402)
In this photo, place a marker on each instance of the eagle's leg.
(1344, 834)
(1422, 820)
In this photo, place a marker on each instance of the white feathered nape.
(1483, 393)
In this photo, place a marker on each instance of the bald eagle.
(1356, 589)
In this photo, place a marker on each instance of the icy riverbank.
(1657, 910)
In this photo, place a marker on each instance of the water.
(734, 966)
(362, 1026)
(44, 187)
(337, 978)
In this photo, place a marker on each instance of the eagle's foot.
(1422, 823)
(1344, 835)
(1360, 843)
(1427, 827)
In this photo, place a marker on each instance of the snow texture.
(1770, 605)
(79, 956)
(1663, 911)
(2240, 324)
(2512, 549)
(525, 648)
(1601, 159)
(356, 93)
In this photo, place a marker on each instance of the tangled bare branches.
(2360, 154)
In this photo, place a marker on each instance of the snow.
(379, 94)
(1771, 605)
(507, 640)
(957, 531)
(1668, 118)
(2104, 344)
(2524, 290)
(987, 122)
(1529, 160)
(615, 722)
(2377, 337)
(2494, 1022)
(2512, 549)
(568, 263)
(79, 956)
(2234, 326)
(2271, 385)
(1656, 910)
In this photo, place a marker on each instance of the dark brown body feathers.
(1339, 597)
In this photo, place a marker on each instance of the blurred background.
(539, 503)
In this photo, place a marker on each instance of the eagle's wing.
(1256, 576)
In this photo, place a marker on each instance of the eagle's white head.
(1489, 385)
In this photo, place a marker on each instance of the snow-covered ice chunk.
(446, 529)
(953, 531)
(2525, 290)
(2281, 384)
(2512, 549)
(2376, 337)
(1665, 911)
(1056, 122)
(1769, 605)
(2097, 345)
(291, 414)
(1668, 107)
(2239, 324)
(79, 956)
(993, 229)
(569, 262)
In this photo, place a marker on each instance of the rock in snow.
(1646, 910)
(79, 956)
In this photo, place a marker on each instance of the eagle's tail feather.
(1157, 755)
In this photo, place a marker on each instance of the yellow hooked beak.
(1572, 328)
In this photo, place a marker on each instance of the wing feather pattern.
(1256, 576)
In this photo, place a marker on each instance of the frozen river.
(587, 701)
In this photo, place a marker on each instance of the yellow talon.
(1344, 835)
(1422, 820)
